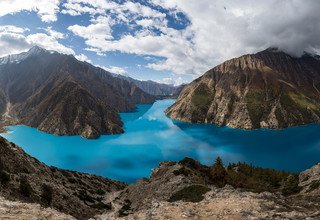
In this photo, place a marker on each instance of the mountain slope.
(270, 89)
(153, 88)
(23, 178)
(59, 94)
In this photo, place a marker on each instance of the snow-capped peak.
(17, 58)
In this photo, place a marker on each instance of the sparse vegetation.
(219, 173)
(46, 194)
(314, 185)
(291, 185)
(256, 179)
(181, 171)
(256, 105)
(125, 209)
(192, 193)
(238, 175)
(201, 100)
(4, 177)
(25, 187)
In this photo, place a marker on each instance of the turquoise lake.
(150, 137)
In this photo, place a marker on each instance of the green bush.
(291, 185)
(25, 187)
(46, 194)
(192, 193)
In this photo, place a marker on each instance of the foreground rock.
(22, 211)
(59, 94)
(226, 203)
(270, 89)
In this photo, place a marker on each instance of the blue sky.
(170, 41)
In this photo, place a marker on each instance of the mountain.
(153, 88)
(23, 178)
(269, 89)
(58, 94)
(179, 190)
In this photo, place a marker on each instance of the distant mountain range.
(59, 94)
(269, 89)
(154, 88)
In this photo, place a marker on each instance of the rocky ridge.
(269, 89)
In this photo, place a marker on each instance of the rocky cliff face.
(58, 94)
(270, 89)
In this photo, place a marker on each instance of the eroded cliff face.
(269, 89)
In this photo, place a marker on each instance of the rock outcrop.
(270, 89)
(58, 94)
(28, 211)
(310, 180)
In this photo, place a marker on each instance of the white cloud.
(99, 30)
(176, 81)
(12, 29)
(83, 57)
(224, 29)
(16, 40)
(46, 9)
(115, 69)
(218, 30)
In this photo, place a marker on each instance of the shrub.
(100, 191)
(85, 197)
(181, 171)
(4, 177)
(192, 193)
(291, 185)
(125, 209)
(25, 187)
(218, 173)
(46, 194)
(314, 185)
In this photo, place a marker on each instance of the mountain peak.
(36, 50)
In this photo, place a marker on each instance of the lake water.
(150, 137)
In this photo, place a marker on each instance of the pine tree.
(218, 173)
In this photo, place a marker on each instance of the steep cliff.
(270, 89)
